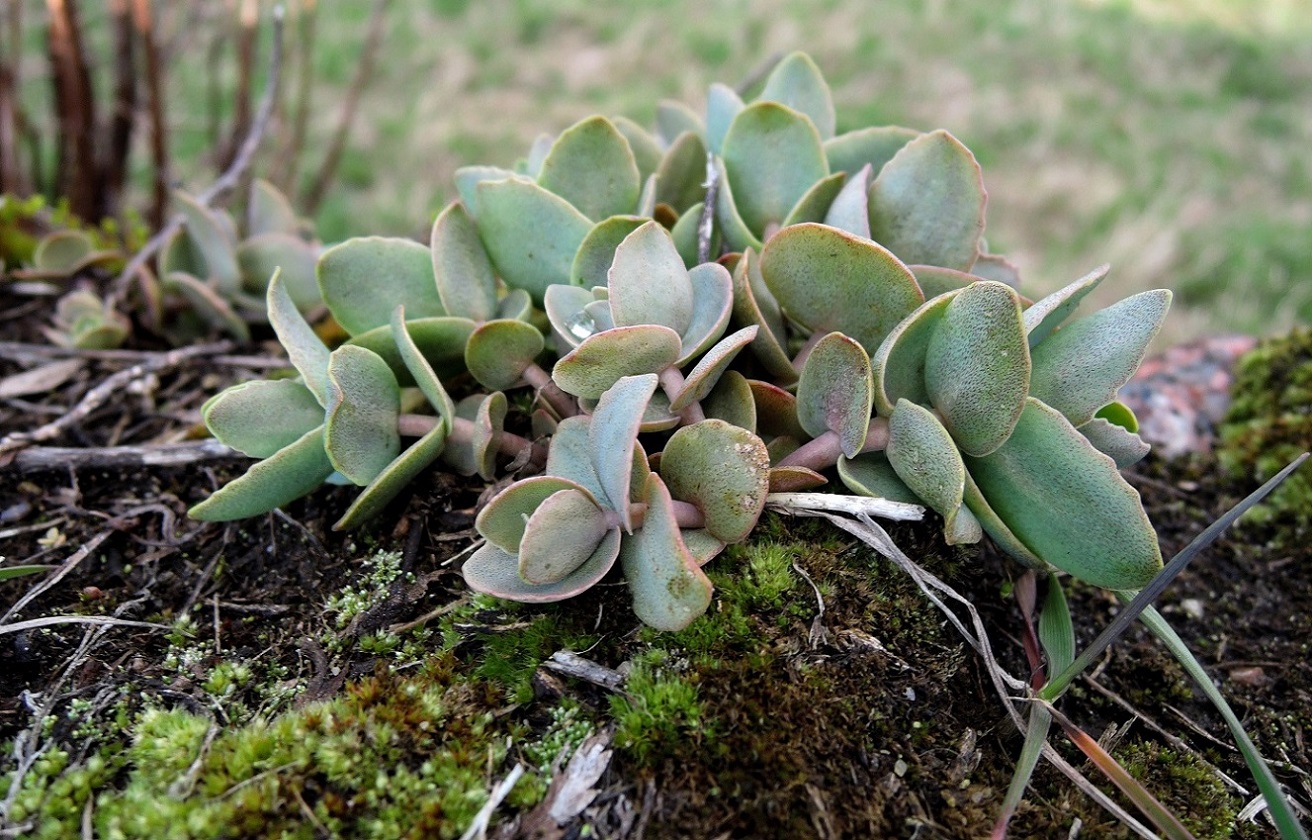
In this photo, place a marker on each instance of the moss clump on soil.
(1185, 785)
(1268, 425)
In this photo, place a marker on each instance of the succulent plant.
(224, 276)
(85, 321)
(850, 322)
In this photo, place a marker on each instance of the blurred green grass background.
(1170, 138)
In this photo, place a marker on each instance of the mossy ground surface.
(299, 696)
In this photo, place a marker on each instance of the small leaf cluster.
(849, 321)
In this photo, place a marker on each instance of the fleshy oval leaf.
(213, 241)
(394, 478)
(835, 392)
(813, 206)
(466, 281)
(871, 474)
(831, 281)
(291, 472)
(722, 469)
(305, 349)
(503, 520)
(925, 457)
(722, 104)
(363, 279)
(420, 370)
(731, 401)
(927, 204)
(977, 366)
(597, 251)
(797, 82)
(712, 366)
(850, 209)
(530, 233)
(871, 147)
(682, 173)
(730, 225)
(261, 417)
(648, 282)
(559, 537)
(712, 290)
(592, 167)
(364, 402)
(899, 363)
(772, 157)
(261, 255)
(754, 304)
(498, 352)
(468, 178)
(1067, 502)
(570, 456)
(668, 586)
(440, 340)
(1116, 442)
(476, 454)
(269, 211)
(494, 572)
(1080, 368)
(605, 358)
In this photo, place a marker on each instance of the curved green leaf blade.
(711, 367)
(612, 435)
(754, 305)
(681, 176)
(836, 391)
(531, 234)
(364, 403)
(813, 206)
(363, 279)
(440, 340)
(831, 281)
(468, 178)
(419, 368)
(1081, 367)
(712, 290)
(850, 209)
(674, 118)
(722, 469)
(288, 474)
(977, 366)
(261, 255)
(668, 586)
(1048, 313)
(871, 474)
(722, 104)
(570, 456)
(646, 149)
(494, 572)
(731, 401)
(206, 302)
(1067, 503)
(261, 417)
(1124, 447)
(304, 348)
(592, 167)
(212, 241)
(772, 157)
(927, 204)
(394, 478)
(798, 83)
(729, 221)
(466, 282)
(269, 211)
(899, 363)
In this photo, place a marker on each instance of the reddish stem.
(823, 452)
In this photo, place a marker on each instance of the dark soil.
(875, 720)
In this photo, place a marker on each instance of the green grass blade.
(1281, 812)
(19, 571)
(1056, 632)
(1166, 822)
(1036, 735)
(1149, 593)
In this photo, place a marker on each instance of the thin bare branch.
(144, 22)
(78, 172)
(247, 18)
(37, 458)
(289, 157)
(124, 106)
(364, 71)
(226, 181)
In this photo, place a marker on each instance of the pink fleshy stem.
(823, 452)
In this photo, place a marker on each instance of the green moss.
(659, 713)
(1184, 785)
(1269, 423)
(390, 757)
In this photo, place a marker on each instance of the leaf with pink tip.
(772, 156)
(935, 280)
(559, 536)
(494, 572)
(592, 167)
(708, 371)
(754, 304)
(605, 358)
(776, 411)
(996, 267)
(795, 479)
(466, 282)
(722, 469)
(498, 352)
(712, 298)
(927, 204)
(668, 586)
(612, 435)
(835, 392)
(831, 281)
(977, 366)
